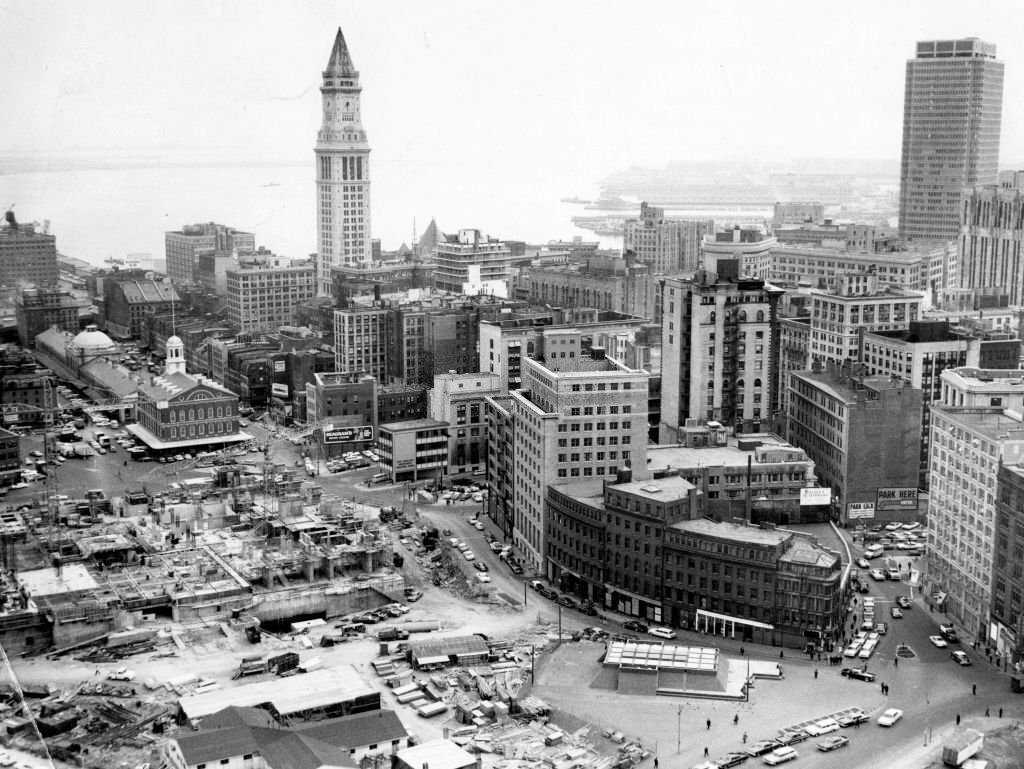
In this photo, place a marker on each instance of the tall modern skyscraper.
(952, 112)
(342, 172)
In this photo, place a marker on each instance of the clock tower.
(342, 172)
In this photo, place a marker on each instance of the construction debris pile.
(96, 723)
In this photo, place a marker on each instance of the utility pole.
(679, 729)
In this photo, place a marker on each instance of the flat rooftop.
(71, 578)
(676, 457)
(293, 694)
(753, 535)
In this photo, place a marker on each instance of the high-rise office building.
(28, 255)
(667, 246)
(342, 172)
(952, 111)
(184, 247)
(265, 295)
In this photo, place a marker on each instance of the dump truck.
(250, 666)
(962, 745)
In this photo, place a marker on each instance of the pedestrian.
(655, 762)
(815, 674)
(974, 689)
(896, 661)
(735, 719)
(744, 738)
(958, 719)
(705, 751)
(1000, 712)
(781, 654)
(709, 724)
(986, 713)
(741, 651)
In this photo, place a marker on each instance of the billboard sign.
(279, 366)
(856, 510)
(280, 390)
(896, 498)
(348, 434)
(815, 497)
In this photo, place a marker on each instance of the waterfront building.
(265, 294)
(28, 254)
(37, 309)
(720, 338)
(864, 435)
(751, 247)
(797, 213)
(183, 248)
(952, 114)
(666, 245)
(472, 263)
(342, 171)
(919, 354)
(583, 416)
(458, 399)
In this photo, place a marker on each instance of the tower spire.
(340, 62)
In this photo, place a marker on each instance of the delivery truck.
(962, 745)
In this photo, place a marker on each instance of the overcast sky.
(546, 90)
(548, 85)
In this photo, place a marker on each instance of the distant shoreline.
(11, 164)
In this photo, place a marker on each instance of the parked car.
(792, 736)
(567, 602)
(834, 742)
(413, 595)
(949, 633)
(662, 632)
(890, 717)
(781, 755)
(480, 566)
(761, 747)
(938, 641)
(960, 657)
(635, 625)
(730, 760)
(853, 718)
(881, 628)
(822, 726)
(469, 555)
(859, 673)
(904, 602)
(896, 612)
(548, 593)
(122, 674)
(864, 563)
(877, 575)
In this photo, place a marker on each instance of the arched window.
(760, 316)
(712, 316)
(757, 383)
(743, 316)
